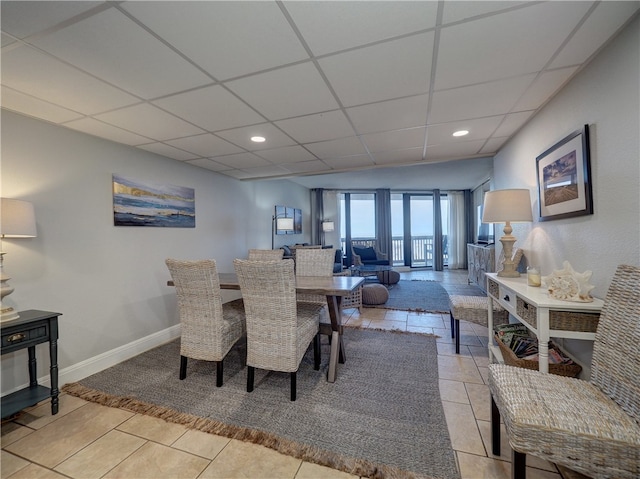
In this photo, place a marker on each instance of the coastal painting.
(137, 203)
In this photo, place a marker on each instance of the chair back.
(615, 367)
(265, 254)
(315, 262)
(199, 307)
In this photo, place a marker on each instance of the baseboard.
(107, 359)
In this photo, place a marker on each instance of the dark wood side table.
(31, 328)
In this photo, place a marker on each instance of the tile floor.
(85, 440)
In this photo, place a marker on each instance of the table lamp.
(507, 206)
(279, 224)
(17, 220)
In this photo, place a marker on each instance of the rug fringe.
(303, 452)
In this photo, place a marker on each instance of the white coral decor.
(568, 285)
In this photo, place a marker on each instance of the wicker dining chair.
(209, 328)
(592, 427)
(279, 328)
(314, 262)
(265, 254)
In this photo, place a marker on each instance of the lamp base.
(509, 265)
(8, 314)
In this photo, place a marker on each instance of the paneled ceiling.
(332, 86)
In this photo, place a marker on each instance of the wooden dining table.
(334, 288)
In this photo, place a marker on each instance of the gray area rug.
(382, 417)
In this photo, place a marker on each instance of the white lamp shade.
(512, 205)
(17, 219)
(284, 224)
(327, 226)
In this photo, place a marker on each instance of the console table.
(540, 313)
(31, 328)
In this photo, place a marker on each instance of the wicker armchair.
(209, 328)
(368, 255)
(279, 329)
(592, 427)
(265, 254)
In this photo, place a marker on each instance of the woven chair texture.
(279, 329)
(209, 328)
(353, 300)
(475, 310)
(265, 254)
(590, 427)
(314, 262)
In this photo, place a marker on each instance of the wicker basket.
(559, 320)
(493, 288)
(510, 358)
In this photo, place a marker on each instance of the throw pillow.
(366, 254)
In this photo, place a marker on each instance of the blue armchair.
(368, 255)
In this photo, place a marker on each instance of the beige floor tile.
(153, 428)
(40, 415)
(373, 313)
(201, 443)
(478, 467)
(395, 315)
(458, 368)
(12, 431)
(59, 440)
(446, 348)
(156, 461)
(505, 449)
(418, 329)
(242, 459)
(480, 400)
(314, 471)
(484, 373)
(425, 321)
(34, 471)
(464, 434)
(357, 322)
(453, 391)
(10, 464)
(100, 457)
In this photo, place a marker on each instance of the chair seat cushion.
(474, 309)
(366, 254)
(378, 262)
(565, 420)
(374, 294)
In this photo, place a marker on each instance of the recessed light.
(258, 139)
(461, 133)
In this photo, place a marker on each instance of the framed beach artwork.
(138, 203)
(564, 178)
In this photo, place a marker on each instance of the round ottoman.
(374, 294)
(388, 277)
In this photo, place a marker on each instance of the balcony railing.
(421, 249)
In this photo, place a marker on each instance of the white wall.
(605, 95)
(110, 282)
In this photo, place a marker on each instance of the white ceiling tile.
(394, 140)
(456, 10)
(305, 166)
(212, 108)
(390, 115)
(356, 161)
(22, 19)
(487, 99)
(239, 174)
(479, 128)
(266, 171)
(6, 39)
(168, 151)
(512, 123)
(101, 45)
(336, 148)
(288, 154)
(29, 71)
(27, 105)
(113, 133)
(149, 121)
(332, 26)
(242, 137)
(454, 151)
(207, 145)
(476, 51)
(287, 92)
(493, 145)
(321, 126)
(209, 165)
(543, 88)
(241, 160)
(228, 39)
(607, 18)
(381, 72)
(407, 155)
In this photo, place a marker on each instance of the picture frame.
(564, 178)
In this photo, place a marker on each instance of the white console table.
(533, 307)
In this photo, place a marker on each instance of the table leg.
(32, 366)
(53, 372)
(333, 363)
(337, 345)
